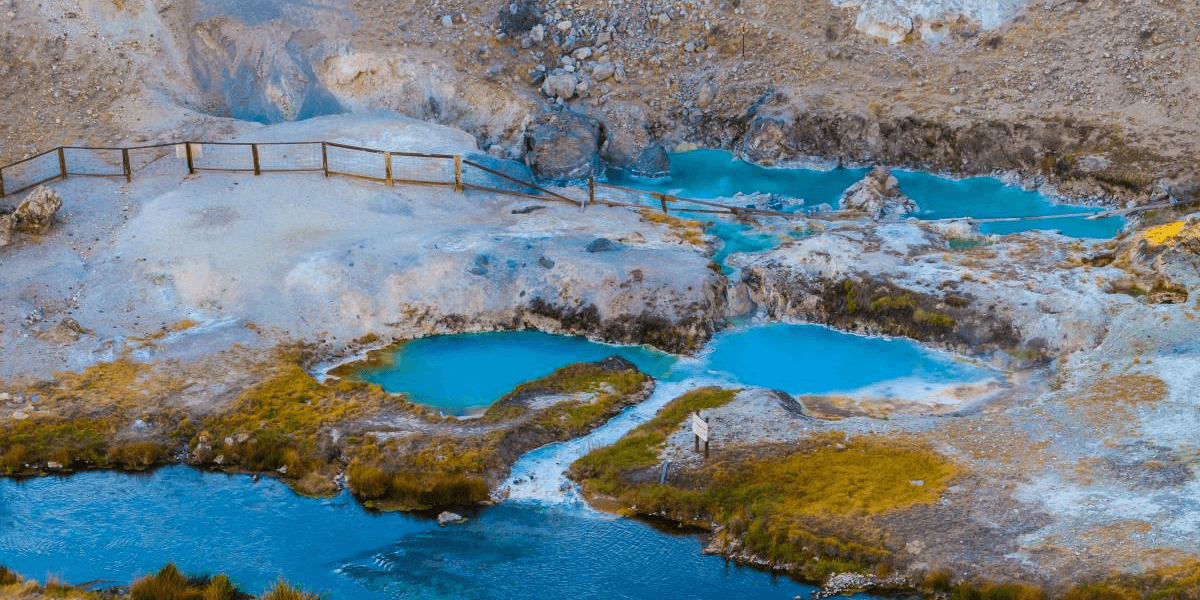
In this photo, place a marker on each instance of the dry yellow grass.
(1163, 233)
(689, 230)
(1111, 403)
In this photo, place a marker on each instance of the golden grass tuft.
(167, 584)
(136, 456)
(8, 578)
(689, 230)
(282, 590)
(869, 476)
(1160, 235)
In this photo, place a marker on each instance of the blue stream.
(114, 526)
(710, 174)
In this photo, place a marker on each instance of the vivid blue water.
(460, 372)
(987, 197)
(111, 526)
(114, 527)
(710, 174)
(457, 373)
(809, 359)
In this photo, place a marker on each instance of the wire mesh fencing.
(23, 175)
(95, 162)
(220, 156)
(289, 157)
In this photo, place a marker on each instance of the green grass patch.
(806, 505)
(639, 448)
(966, 244)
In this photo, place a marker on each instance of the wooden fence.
(381, 166)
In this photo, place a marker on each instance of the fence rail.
(381, 166)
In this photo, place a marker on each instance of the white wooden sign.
(699, 427)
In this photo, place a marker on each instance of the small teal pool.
(809, 359)
(458, 373)
(711, 174)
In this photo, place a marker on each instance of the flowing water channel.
(541, 542)
(715, 174)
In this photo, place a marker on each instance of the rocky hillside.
(1092, 97)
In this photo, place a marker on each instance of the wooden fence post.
(125, 165)
(387, 167)
(591, 190)
(62, 162)
(663, 198)
(254, 154)
(325, 159)
(1, 183)
(458, 182)
(187, 146)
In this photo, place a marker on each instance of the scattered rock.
(560, 84)
(33, 216)
(628, 143)
(518, 17)
(546, 263)
(879, 195)
(448, 518)
(602, 71)
(67, 331)
(282, 470)
(19, 415)
(562, 145)
(447, 21)
(602, 245)
(53, 466)
(885, 21)
(768, 138)
(537, 34)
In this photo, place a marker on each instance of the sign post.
(700, 431)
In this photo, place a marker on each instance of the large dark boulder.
(562, 146)
(628, 143)
(518, 17)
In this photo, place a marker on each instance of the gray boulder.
(628, 143)
(878, 195)
(768, 138)
(560, 84)
(36, 212)
(446, 518)
(562, 146)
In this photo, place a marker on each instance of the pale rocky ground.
(312, 258)
(1062, 485)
